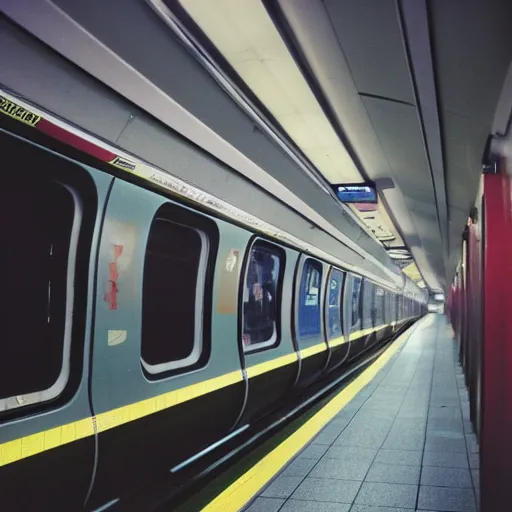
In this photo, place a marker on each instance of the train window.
(173, 292)
(262, 297)
(356, 303)
(334, 317)
(40, 230)
(309, 299)
(368, 304)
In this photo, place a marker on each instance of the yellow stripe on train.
(17, 449)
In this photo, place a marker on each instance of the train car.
(141, 331)
(150, 320)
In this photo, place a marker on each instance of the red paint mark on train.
(112, 289)
(114, 275)
(111, 296)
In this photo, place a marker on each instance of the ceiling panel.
(472, 48)
(370, 35)
(397, 126)
(464, 140)
(262, 60)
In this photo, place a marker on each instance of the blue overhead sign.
(356, 193)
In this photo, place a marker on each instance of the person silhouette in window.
(259, 310)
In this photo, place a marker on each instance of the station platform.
(404, 442)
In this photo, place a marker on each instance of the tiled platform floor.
(404, 443)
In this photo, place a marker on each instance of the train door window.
(368, 304)
(334, 317)
(309, 299)
(173, 294)
(356, 303)
(40, 225)
(262, 297)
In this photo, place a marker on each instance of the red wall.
(496, 434)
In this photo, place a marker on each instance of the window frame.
(9, 404)
(327, 306)
(302, 262)
(275, 341)
(77, 180)
(208, 233)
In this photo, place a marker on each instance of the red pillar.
(496, 438)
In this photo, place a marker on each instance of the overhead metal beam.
(415, 26)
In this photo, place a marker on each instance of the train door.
(393, 311)
(400, 310)
(51, 208)
(354, 311)
(309, 326)
(369, 310)
(334, 317)
(271, 361)
(166, 377)
(380, 314)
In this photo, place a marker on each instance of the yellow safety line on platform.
(247, 486)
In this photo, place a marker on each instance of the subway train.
(147, 320)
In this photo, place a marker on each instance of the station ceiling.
(399, 92)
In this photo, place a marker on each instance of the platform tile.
(446, 499)
(344, 469)
(445, 460)
(314, 451)
(404, 440)
(265, 505)
(446, 477)
(351, 452)
(299, 467)
(314, 506)
(440, 443)
(282, 487)
(366, 508)
(324, 489)
(399, 457)
(371, 438)
(411, 424)
(387, 495)
(393, 474)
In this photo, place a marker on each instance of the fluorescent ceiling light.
(413, 272)
(247, 38)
